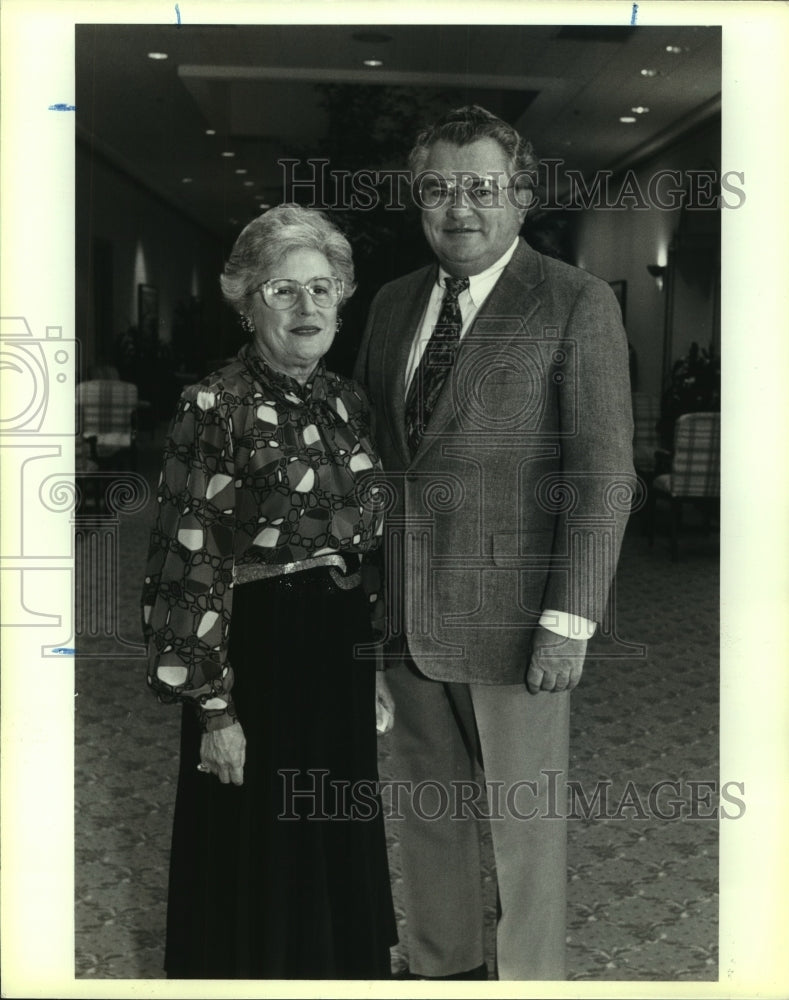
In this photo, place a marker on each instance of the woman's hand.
(223, 752)
(384, 704)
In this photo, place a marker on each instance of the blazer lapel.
(401, 329)
(511, 303)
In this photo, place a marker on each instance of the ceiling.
(259, 88)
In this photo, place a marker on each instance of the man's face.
(466, 237)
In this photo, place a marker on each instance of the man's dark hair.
(462, 126)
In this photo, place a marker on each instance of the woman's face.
(294, 340)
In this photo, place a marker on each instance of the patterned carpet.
(643, 872)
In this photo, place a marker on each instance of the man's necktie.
(435, 365)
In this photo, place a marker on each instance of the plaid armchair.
(106, 415)
(694, 470)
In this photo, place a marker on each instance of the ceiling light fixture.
(373, 62)
(249, 184)
(264, 205)
(210, 131)
(228, 153)
(640, 110)
(186, 180)
(627, 119)
(241, 170)
(157, 55)
(649, 72)
(674, 49)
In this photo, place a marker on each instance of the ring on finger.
(203, 768)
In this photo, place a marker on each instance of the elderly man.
(499, 380)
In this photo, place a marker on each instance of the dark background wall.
(126, 236)
(619, 245)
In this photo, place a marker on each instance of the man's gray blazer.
(517, 498)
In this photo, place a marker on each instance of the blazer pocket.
(519, 548)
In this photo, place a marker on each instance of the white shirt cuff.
(570, 626)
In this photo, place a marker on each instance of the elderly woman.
(253, 606)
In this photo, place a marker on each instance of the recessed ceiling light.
(373, 62)
(640, 110)
(186, 180)
(675, 49)
(157, 55)
(264, 206)
(210, 131)
(249, 184)
(627, 119)
(241, 170)
(649, 72)
(228, 153)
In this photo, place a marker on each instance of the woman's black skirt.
(286, 876)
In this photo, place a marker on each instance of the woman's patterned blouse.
(257, 468)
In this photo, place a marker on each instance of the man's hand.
(556, 662)
(223, 752)
(384, 704)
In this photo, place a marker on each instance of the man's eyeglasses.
(482, 192)
(283, 293)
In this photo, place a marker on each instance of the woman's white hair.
(262, 244)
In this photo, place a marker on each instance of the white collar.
(479, 285)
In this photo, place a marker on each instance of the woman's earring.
(247, 324)
(338, 326)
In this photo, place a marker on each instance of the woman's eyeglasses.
(283, 293)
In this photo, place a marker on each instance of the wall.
(126, 236)
(619, 244)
